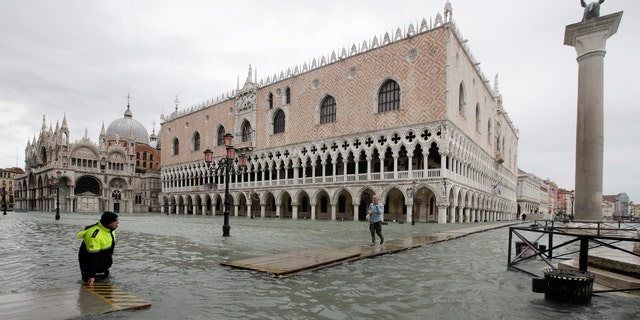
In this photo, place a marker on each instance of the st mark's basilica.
(121, 172)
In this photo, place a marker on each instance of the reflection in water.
(173, 262)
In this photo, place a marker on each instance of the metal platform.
(68, 303)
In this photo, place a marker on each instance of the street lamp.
(226, 165)
(56, 183)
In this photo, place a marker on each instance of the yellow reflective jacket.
(98, 238)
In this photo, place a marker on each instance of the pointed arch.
(220, 136)
(247, 131)
(195, 141)
(279, 121)
(389, 96)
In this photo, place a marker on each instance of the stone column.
(409, 212)
(442, 213)
(589, 39)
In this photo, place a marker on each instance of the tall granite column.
(589, 39)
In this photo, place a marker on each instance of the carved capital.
(591, 35)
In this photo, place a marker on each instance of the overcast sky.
(82, 58)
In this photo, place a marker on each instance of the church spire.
(64, 127)
(128, 113)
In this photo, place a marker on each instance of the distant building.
(552, 196)
(532, 196)
(7, 183)
(120, 173)
(565, 204)
(615, 206)
(409, 117)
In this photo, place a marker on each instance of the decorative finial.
(249, 74)
(128, 99)
(176, 101)
(448, 12)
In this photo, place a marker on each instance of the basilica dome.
(123, 127)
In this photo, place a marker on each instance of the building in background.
(408, 116)
(120, 173)
(532, 201)
(616, 206)
(7, 183)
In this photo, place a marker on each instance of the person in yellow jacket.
(96, 250)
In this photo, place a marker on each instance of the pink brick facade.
(444, 155)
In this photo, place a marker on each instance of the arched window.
(328, 110)
(489, 132)
(176, 146)
(287, 95)
(389, 96)
(278, 122)
(221, 133)
(462, 99)
(478, 121)
(246, 131)
(196, 141)
(270, 100)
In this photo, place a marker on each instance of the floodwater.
(173, 262)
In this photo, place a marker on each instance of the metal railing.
(539, 240)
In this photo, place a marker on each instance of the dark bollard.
(568, 286)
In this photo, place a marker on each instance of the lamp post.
(56, 183)
(4, 198)
(226, 165)
(411, 193)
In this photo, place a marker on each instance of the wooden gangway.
(294, 262)
(69, 303)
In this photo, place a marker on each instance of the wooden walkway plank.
(68, 303)
(294, 262)
(285, 263)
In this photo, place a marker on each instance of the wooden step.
(605, 278)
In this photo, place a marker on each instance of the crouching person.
(96, 250)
